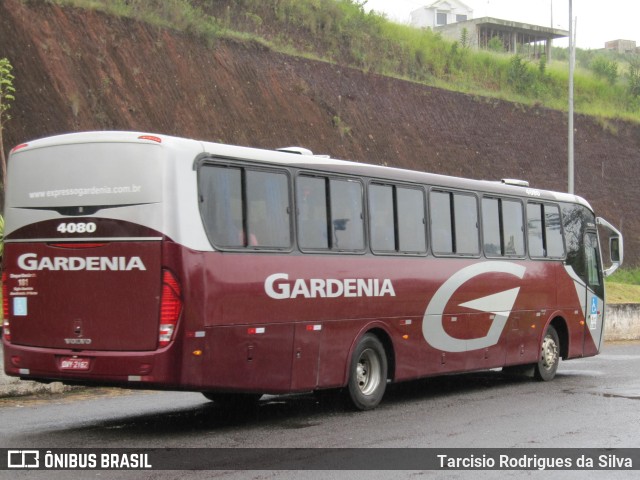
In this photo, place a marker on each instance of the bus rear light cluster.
(19, 147)
(170, 308)
(6, 330)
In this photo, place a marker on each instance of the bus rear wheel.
(547, 365)
(367, 373)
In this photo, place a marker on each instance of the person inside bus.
(253, 241)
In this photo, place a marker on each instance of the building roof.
(457, 3)
(537, 31)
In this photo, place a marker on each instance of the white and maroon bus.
(150, 261)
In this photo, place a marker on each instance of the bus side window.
(441, 222)
(454, 223)
(311, 203)
(544, 225)
(245, 208)
(411, 220)
(535, 230)
(553, 226)
(347, 222)
(491, 231)
(221, 190)
(330, 214)
(513, 228)
(465, 209)
(268, 222)
(397, 219)
(381, 216)
(503, 227)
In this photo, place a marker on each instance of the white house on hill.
(440, 13)
(453, 19)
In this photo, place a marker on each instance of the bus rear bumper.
(91, 367)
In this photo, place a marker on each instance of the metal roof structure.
(516, 37)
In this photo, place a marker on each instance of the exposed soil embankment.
(81, 70)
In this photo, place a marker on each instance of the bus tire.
(547, 365)
(233, 400)
(367, 373)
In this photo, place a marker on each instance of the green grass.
(622, 293)
(624, 286)
(630, 276)
(341, 31)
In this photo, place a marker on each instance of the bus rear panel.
(86, 296)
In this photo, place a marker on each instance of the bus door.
(594, 300)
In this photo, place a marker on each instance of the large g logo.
(499, 303)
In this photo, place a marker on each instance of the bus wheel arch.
(387, 343)
(560, 326)
(370, 365)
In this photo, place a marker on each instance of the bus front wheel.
(547, 365)
(367, 373)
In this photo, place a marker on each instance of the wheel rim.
(368, 372)
(549, 353)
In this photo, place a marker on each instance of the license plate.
(70, 363)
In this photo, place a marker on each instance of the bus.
(148, 261)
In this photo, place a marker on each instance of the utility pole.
(550, 41)
(572, 60)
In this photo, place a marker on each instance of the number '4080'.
(79, 227)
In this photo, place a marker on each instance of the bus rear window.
(100, 174)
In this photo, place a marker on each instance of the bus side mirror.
(616, 249)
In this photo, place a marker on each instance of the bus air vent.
(515, 182)
(296, 150)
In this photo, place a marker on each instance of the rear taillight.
(19, 147)
(6, 330)
(170, 308)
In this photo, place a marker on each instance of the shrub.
(605, 69)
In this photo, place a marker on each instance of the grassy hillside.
(341, 31)
(624, 286)
(622, 293)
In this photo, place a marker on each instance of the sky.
(597, 21)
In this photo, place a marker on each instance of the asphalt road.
(592, 403)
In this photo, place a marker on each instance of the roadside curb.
(14, 387)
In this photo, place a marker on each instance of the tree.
(464, 38)
(605, 69)
(519, 76)
(6, 97)
(495, 44)
(634, 77)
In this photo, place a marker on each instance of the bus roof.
(301, 158)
